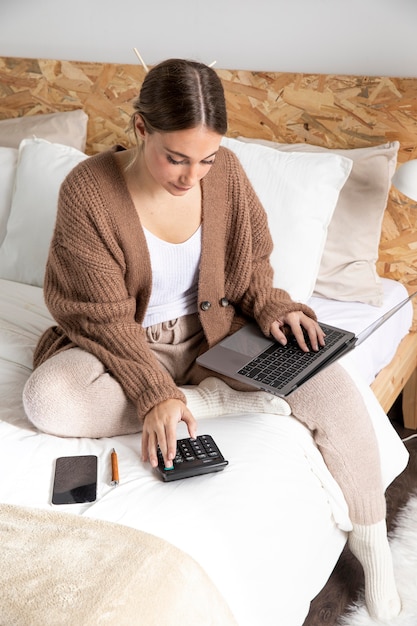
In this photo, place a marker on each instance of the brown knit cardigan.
(98, 275)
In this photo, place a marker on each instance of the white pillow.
(41, 168)
(8, 160)
(299, 193)
(348, 266)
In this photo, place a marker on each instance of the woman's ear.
(140, 126)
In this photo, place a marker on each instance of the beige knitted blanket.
(60, 569)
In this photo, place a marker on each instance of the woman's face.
(178, 160)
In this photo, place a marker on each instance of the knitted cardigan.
(98, 276)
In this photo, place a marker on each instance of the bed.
(255, 543)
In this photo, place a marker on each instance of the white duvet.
(268, 529)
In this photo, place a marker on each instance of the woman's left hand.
(297, 322)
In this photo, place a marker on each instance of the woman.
(160, 251)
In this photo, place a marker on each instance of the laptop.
(252, 358)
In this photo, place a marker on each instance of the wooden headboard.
(327, 110)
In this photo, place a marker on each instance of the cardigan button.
(224, 302)
(205, 305)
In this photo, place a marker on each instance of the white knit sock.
(213, 397)
(370, 546)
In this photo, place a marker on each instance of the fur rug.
(403, 540)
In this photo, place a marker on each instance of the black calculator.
(194, 457)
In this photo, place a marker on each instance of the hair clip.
(145, 67)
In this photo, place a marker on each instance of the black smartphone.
(75, 479)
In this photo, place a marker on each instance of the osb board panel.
(104, 91)
(327, 110)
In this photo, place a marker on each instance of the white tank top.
(174, 278)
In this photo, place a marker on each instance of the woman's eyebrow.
(185, 156)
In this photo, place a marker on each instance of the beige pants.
(72, 395)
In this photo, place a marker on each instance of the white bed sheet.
(267, 530)
(369, 358)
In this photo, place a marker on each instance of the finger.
(299, 337)
(310, 331)
(322, 336)
(152, 449)
(144, 446)
(171, 447)
(277, 333)
(191, 422)
(315, 335)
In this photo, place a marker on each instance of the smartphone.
(75, 479)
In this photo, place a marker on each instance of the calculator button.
(193, 457)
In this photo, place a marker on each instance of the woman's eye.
(184, 161)
(173, 161)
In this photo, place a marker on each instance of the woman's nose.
(191, 175)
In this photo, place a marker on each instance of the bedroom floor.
(347, 578)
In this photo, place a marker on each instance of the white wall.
(370, 37)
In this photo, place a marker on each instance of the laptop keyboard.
(278, 364)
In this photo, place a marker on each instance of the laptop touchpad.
(249, 340)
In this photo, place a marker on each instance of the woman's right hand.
(160, 429)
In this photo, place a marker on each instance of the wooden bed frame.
(327, 110)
